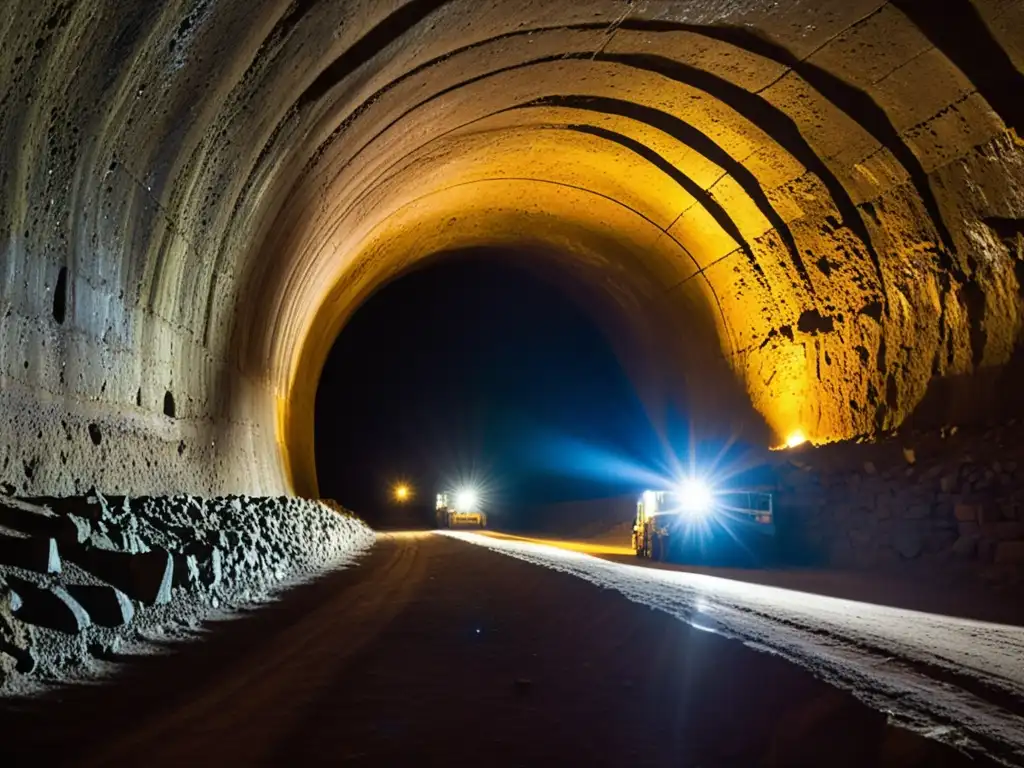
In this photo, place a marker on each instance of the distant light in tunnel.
(402, 492)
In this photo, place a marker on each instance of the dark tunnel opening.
(475, 368)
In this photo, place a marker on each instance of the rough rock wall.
(947, 499)
(107, 374)
(824, 197)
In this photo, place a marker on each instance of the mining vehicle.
(685, 522)
(460, 508)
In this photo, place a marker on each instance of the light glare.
(695, 495)
(796, 438)
(466, 500)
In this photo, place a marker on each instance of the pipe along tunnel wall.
(813, 210)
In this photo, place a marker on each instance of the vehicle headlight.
(466, 500)
(695, 496)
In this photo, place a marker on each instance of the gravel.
(85, 580)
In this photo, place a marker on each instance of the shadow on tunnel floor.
(474, 658)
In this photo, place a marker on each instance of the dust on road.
(436, 652)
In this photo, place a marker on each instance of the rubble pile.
(81, 576)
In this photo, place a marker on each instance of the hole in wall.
(138, 397)
(181, 448)
(60, 296)
(94, 434)
(168, 404)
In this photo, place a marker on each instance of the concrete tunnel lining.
(195, 197)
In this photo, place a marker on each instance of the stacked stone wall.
(948, 499)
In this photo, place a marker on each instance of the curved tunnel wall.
(824, 200)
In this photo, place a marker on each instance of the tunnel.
(798, 224)
(795, 219)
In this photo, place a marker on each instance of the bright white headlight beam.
(466, 500)
(695, 496)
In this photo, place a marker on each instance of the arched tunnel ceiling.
(816, 204)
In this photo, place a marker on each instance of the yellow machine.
(460, 509)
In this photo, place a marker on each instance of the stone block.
(146, 577)
(107, 606)
(50, 607)
(1009, 553)
(1008, 530)
(33, 553)
(908, 543)
(948, 483)
(965, 512)
(916, 511)
(988, 513)
(966, 546)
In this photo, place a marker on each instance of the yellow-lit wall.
(806, 220)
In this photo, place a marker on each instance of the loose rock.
(50, 607)
(147, 577)
(107, 606)
(33, 553)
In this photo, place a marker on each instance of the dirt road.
(434, 651)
